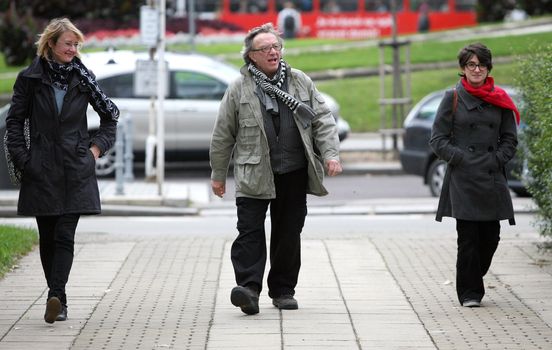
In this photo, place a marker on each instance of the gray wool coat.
(476, 143)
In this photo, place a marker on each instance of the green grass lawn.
(421, 52)
(15, 242)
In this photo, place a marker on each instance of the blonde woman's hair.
(52, 32)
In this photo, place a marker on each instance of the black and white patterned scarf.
(273, 88)
(59, 75)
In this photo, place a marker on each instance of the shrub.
(492, 10)
(17, 36)
(535, 83)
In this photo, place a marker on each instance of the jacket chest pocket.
(249, 132)
(79, 97)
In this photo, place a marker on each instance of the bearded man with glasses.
(282, 136)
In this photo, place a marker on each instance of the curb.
(373, 168)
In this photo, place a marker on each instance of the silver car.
(196, 84)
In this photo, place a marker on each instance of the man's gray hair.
(248, 41)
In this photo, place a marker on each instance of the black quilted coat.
(59, 169)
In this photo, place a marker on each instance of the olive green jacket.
(239, 131)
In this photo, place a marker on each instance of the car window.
(429, 109)
(119, 86)
(191, 85)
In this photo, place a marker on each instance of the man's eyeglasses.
(471, 66)
(266, 49)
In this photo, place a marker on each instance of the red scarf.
(492, 94)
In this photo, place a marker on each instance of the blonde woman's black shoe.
(53, 308)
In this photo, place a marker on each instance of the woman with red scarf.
(475, 133)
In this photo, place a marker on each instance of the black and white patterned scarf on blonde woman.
(272, 88)
(59, 74)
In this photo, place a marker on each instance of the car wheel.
(436, 176)
(105, 165)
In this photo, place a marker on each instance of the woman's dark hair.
(481, 51)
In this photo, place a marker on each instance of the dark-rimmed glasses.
(266, 49)
(471, 66)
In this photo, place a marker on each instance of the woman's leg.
(57, 240)
(46, 230)
(469, 279)
(63, 256)
(489, 234)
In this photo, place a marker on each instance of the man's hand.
(219, 188)
(333, 167)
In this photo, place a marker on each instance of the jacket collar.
(36, 71)
(471, 102)
(290, 82)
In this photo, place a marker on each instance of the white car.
(196, 84)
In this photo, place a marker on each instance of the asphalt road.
(342, 187)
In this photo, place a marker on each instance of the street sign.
(149, 25)
(145, 78)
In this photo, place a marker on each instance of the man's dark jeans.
(287, 214)
(477, 243)
(57, 241)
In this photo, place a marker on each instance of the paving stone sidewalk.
(380, 292)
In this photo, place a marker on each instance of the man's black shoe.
(53, 308)
(285, 302)
(246, 299)
(62, 314)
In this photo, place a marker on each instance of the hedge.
(535, 83)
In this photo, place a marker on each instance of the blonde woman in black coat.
(59, 182)
(475, 133)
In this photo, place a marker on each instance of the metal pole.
(119, 162)
(151, 140)
(393, 5)
(397, 84)
(161, 77)
(191, 23)
(180, 8)
(383, 107)
(129, 155)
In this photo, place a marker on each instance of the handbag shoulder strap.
(454, 101)
(454, 107)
